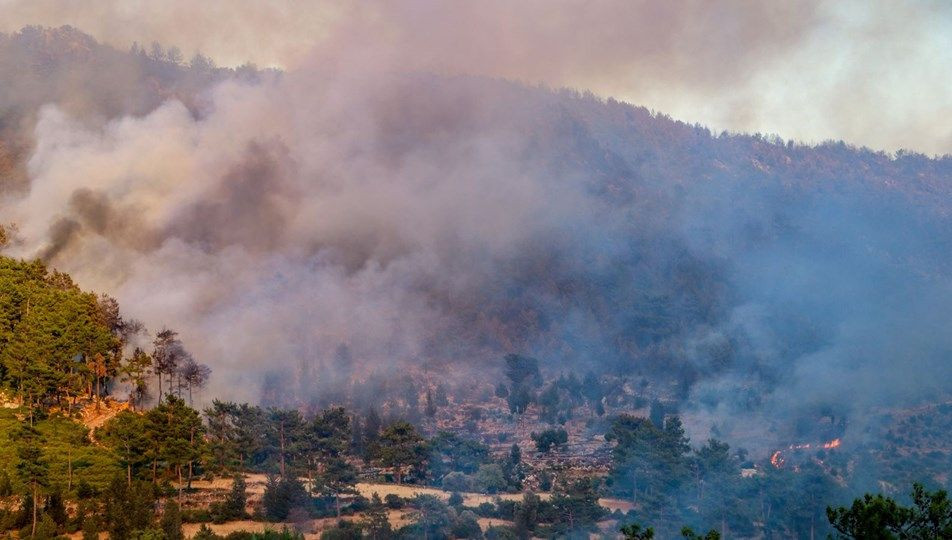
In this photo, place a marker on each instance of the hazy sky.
(877, 73)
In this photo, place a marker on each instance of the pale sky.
(874, 73)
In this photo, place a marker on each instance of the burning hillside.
(441, 222)
(407, 253)
(777, 457)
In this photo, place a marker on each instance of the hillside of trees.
(722, 263)
(784, 304)
(63, 350)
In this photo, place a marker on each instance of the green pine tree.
(171, 522)
(33, 468)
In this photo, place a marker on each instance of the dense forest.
(63, 350)
(417, 305)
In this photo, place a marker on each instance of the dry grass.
(616, 504)
(231, 526)
(311, 529)
(470, 499)
(255, 484)
(485, 523)
(408, 492)
(398, 518)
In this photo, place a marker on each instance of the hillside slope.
(353, 224)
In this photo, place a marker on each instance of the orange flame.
(776, 459)
(832, 444)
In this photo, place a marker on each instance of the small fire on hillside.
(777, 459)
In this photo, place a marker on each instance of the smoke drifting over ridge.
(870, 72)
(447, 220)
(296, 216)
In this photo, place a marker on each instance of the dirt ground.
(469, 499)
(255, 484)
(232, 526)
(485, 523)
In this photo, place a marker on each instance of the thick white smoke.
(440, 220)
(298, 214)
(870, 72)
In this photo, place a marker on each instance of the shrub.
(202, 515)
(457, 481)
(490, 478)
(545, 481)
(345, 530)
(359, 504)
(394, 502)
(84, 490)
(6, 486)
(499, 532)
(466, 526)
(505, 509)
(204, 533)
(550, 438)
(91, 528)
(486, 509)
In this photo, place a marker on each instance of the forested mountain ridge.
(464, 264)
(740, 268)
(68, 68)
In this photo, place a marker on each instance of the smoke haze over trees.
(347, 218)
(874, 72)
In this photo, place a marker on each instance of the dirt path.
(94, 419)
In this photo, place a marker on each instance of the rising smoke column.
(305, 213)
